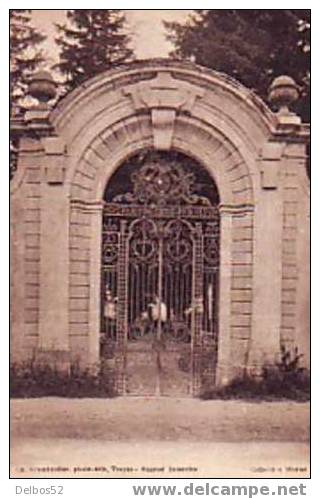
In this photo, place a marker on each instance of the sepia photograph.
(160, 243)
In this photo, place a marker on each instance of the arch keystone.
(162, 127)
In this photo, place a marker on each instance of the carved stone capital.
(54, 149)
(270, 158)
(272, 151)
(37, 121)
(53, 145)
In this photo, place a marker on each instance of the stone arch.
(117, 122)
(223, 146)
(253, 155)
(214, 151)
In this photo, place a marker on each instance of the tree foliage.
(253, 46)
(25, 57)
(25, 54)
(90, 42)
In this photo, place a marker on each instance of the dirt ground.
(236, 438)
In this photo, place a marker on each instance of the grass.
(30, 380)
(285, 380)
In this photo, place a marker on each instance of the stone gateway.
(159, 224)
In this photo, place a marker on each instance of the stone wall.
(25, 250)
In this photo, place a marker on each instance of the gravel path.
(150, 437)
(165, 419)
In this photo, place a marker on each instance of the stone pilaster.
(224, 340)
(54, 264)
(95, 283)
(267, 260)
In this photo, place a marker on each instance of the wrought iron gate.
(160, 284)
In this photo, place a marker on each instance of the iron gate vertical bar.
(160, 263)
(159, 331)
(197, 310)
(122, 310)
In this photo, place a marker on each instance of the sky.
(148, 33)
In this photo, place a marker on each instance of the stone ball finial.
(42, 86)
(283, 92)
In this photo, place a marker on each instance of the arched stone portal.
(67, 158)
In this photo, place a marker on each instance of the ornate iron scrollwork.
(211, 244)
(110, 241)
(110, 248)
(162, 184)
(178, 242)
(143, 241)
